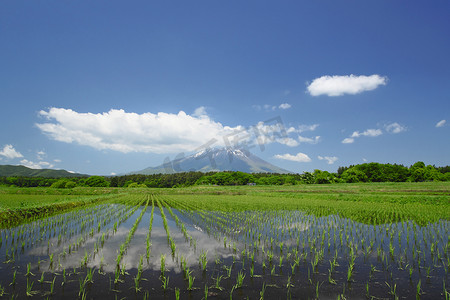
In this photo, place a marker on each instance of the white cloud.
(348, 141)
(308, 140)
(348, 84)
(441, 123)
(394, 128)
(299, 157)
(303, 128)
(284, 106)
(10, 153)
(57, 160)
(38, 165)
(288, 142)
(330, 159)
(200, 111)
(368, 132)
(357, 134)
(154, 133)
(131, 132)
(40, 155)
(268, 107)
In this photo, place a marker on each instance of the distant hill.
(10, 170)
(216, 160)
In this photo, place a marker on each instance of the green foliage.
(353, 175)
(97, 181)
(60, 184)
(227, 178)
(322, 177)
(428, 173)
(368, 172)
(70, 184)
(136, 185)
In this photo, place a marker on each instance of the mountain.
(216, 160)
(10, 170)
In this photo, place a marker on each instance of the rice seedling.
(217, 283)
(190, 282)
(29, 290)
(240, 279)
(89, 276)
(41, 280)
(203, 260)
(52, 285)
(262, 292)
(165, 282)
(13, 282)
(163, 265)
(393, 289)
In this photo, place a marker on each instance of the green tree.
(70, 184)
(354, 175)
(60, 184)
(323, 177)
(97, 181)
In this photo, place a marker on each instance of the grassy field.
(365, 202)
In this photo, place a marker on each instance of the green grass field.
(364, 202)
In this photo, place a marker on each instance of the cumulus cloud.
(348, 141)
(40, 155)
(357, 134)
(284, 106)
(303, 128)
(368, 132)
(441, 123)
(308, 140)
(200, 111)
(34, 165)
(330, 159)
(394, 128)
(299, 157)
(10, 153)
(288, 142)
(125, 132)
(131, 132)
(348, 84)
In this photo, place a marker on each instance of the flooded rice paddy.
(158, 247)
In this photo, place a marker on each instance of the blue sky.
(104, 87)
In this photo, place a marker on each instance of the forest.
(367, 172)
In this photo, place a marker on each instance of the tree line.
(368, 172)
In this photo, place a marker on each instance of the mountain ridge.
(19, 170)
(210, 160)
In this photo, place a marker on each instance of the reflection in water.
(290, 252)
